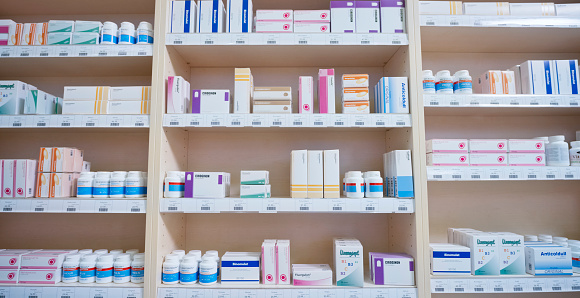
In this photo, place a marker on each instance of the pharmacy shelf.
(74, 121)
(286, 50)
(500, 21)
(287, 120)
(64, 290)
(275, 205)
(437, 173)
(504, 284)
(71, 205)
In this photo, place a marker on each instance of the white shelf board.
(72, 205)
(60, 290)
(275, 205)
(286, 50)
(287, 120)
(500, 21)
(74, 121)
(505, 284)
(439, 173)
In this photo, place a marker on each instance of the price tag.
(298, 120)
(44, 121)
(236, 120)
(64, 51)
(84, 51)
(555, 101)
(573, 101)
(401, 120)
(456, 173)
(173, 205)
(272, 39)
(243, 293)
(195, 120)
(571, 173)
(136, 206)
(477, 21)
(24, 51)
(365, 39)
(270, 205)
(435, 173)
(257, 120)
(65, 292)
(574, 284)
(370, 205)
(304, 293)
(144, 50)
(394, 39)
(532, 173)
(71, 206)
(337, 205)
(8, 205)
(334, 39)
(377, 293)
(123, 51)
(209, 39)
(104, 51)
(557, 285)
(517, 285)
(429, 21)
(115, 121)
(18, 121)
(175, 39)
(404, 206)
(406, 293)
(206, 205)
(304, 205)
(39, 206)
(381, 120)
(359, 120)
(140, 120)
(478, 285)
(323, 293)
(241, 39)
(514, 173)
(278, 120)
(551, 173)
(303, 39)
(221, 293)
(455, 21)
(66, 121)
(318, 120)
(33, 292)
(538, 285)
(216, 120)
(439, 286)
(495, 173)
(475, 173)
(4, 292)
(339, 120)
(274, 294)
(459, 285)
(537, 101)
(103, 206)
(498, 285)
(93, 121)
(239, 205)
(173, 120)
(8, 51)
(99, 293)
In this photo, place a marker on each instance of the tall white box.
(399, 95)
(326, 92)
(299, 174)
(283, 262)
(331, 174)
(348, 263)
(243, 90)
(177, 95)
(40, 103)
(368, 17)
(211, 16)
(567, 76)
(403, 174)
(568, 9)
(508, 79)
(512, 258)
(342, 17)
(24, 178)
(306, 95)
(315, 174)
(269, 262)
(8, 171)
(183, 17)
(484, 253)
(240, 15)
(12, 97)
(537, 77)
(393, 16)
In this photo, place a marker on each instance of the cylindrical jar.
(105, 268)
(101, 185)
(145, 33)
(354, 185)
(207, 271)
(132, 252)
(88, 268)
(127, 33)
(71, 268)
(170, 273)
(109, 33)
(117, 189)
(85, 185)
(122, 269)
(464, 83)
(444, 82)
(188, 270)
(101, 251)
(174, 186)
(428, 82)
(557, 152)
(373, 185)
(87, 251)
(138, 268)
(136, 185)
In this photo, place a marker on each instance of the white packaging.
(283, 262)
(212, 185)
(60, 26)
(486, 8)
(508, 80)
(394, 269)
(342, 17)
(548, 260)
(28, 34)
(43, 260)
(306, 95)
(274, 27)
(326, 92)
(512, 259)
(12, 97)
(382, 101)
(127, 107)
(42, 185)
(210, 101)
(490, 82)
(275, 15)
(210, 16)
(440, 7)
(10, 259)
(331, 174)
(355, 94)
(243, 90)
(11, 32)
(517, 78)
(40, 276)
(311, 16)
(272, 93)
(447, 146)
(254, 177)
(450, 259)
(85, 38)
(355, 107)
(84, 107)
(392, 16)
(488, 146)
(368, 18)
(532, 9)
(269, 262)
(255, 191)
(355, 81)
(240, 14)
(24, 178)
(59, 38)
(537, 77)
(8, 171)
(177, 95)
(567, 76)
(348, 263)
(311, 27)
(315, 174)
(311, 275)
(484, 253)
(183, 18)
(86, 93)
(488, 159)
(399, 95)
(526, 146)
(240, 268)
(88, 26)
(299, 174)
(448, 159)
(39, 102)
(568, 10)
(59, 185)
(9, 276)
(132, 93)
(272, 107)
(527, 159)
(402, 174)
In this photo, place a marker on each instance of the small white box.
(355, 94)
(9, 276)
(211, 16)
(368, 17)
(490, 82)
(548, 260)
(311, 27)
(40, 276)
(184, 17)
(11, 258)
(85, 38)
(517, 78)
(392, 269)
(59, 38)
(532, 9)
(243, 90)
(447, 146)
(43, 185)
(486, 8)
(273, 93)
(512, 260)
(24, 178)
(60, 26)
(132, 93)
(315, 174)
(240, 268)
(254, 178)
(488, 146)
(8, 172)
(508, 80)
(527, 159)
(54, 185)
(11, 32)
(240, 14)
(355, 107)
(272, 107)
(567, 73)
(392, 16)
(450, 259)
(210, 185)
(448, 159)
(129, 107)
(88, 26)
(275, 15)
(311, 275)
(299, 174)
(440, 7)
(484, 253)
(538, 77)
(269, 262)
(326, 92)
(283, 262)
(84, 107)
(331, 174)
(526, 146)
(28, 34)
(355, 81)
(86, 93)
(41, 32)
(274, 27)
(177, 95)
(45, 159)
(13, 97)
(488, 159)
(210, 101)
(568, 10)
(255, 191)
(312, 16)
(348, 263)
(306, 95)
(342, 16)
(399, 95)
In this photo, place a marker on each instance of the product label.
(117, 190)
(176, 186)
(84, 191)
(375, 187)
(70, 273)
(444, 85)
(100, 191)
(465, 85)
(137, 272)
(127, 38)
(108, 38)
(188, 277)
(170, 277)
(428, 85)
(145, 39)
(87, 272)
(105, 272)
(135, 190)
(122, 272)
(207, 278)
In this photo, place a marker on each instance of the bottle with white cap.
(132, 252)
(444, 82)
(85, 185)
(101, 251)
(88, 268)
(174, 186)
(188, 270)
(179, 252)
(575, 154)
(170, 273)
(117, 189)
(557, 152)
(575, 257)
(127, 33)
(428, 82)
(109, 33)
(138, 268)
(105, 268)
(215, 255)
(355, 185)
(462, 83)
(373, 185)
(71, 268)
(145, 33)
(101, 185)
(207, 271)
(135, 185)
(116, 251)
(85, 251)
(122, 268)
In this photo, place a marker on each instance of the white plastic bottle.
(71, 268)
(428, 82)
(170, 273)
(87, 251)
(373, 185)
(109, 33)
(145, 33)
(88, 268)
(85, 185)
(196, 253)
(179, 252)
(354, 185)
(575, 154)
(138, 268)
(105, 269)
(545, 238)
(135, 185)
(215, 255)
(132, 252)
(122, 269)
(346, 175)
(101, 251)
(188, 270)
(101, 185)
(444, 82)
(174, 186)
(207, 271)
(557, 152)
(117, 189)
(116, 252)
(575, 258)
(464, 83)
(127, 33)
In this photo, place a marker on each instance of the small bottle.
(196, 253)
(207, 271)
(85, 251)
(562, 241)
(105, 269)
(71, 268)
(444, 82)
(109, 33)
(122, 269)
(127, 33)
(346, 175)
(188, 270)
(101, 251)
(138, 268)
(117, 189)
(174, 186)
(145, 33)
(85, 185)
(116, 252)
(132, 252)
(374, 185)
(545, 238)
(88, 268)
(354, 185)
(170, 273)
(464, 83)
(101, 185)
(575, 154)
(428, 82)
(135, 185)
(557, 152)
(179, 252)
(216, 257)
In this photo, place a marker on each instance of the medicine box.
(326, 95)
(11, 258)
(211, 16)
(508, 80)
(348, 263)
(450, 259)
(9, 36)
(59, 38)
(85, 38)
(272, 107)
(60, 26)
(243, 90)
(311, 16)
(274, 27)
(306, 95)
(211, 185)
(79, 163)
(527, 159)
(128, 107)
(84, 107)
(392, 16)
(9, 276)
(240, 268)
(567, 74)
(254, 177)
(486, 8)
(488, 146)
(342, 17)
(568, 10)
(490, 82)
(59, 185)
(273, 93)
(517, 79)
(368, 17)
(28, 34)
(355, 94)
(402, 171)
(392, 269)
(40, 276)
(488, 159)
(356, 107)
(255, 191)
(315, 174)
(62, 160)
(441, 7)
(177, 95)
(8, 172)
(86, 93)
(24, 178)
(12, 97)
(537, 77)
(45, 159)
(526, 146)
(447, 159)
(311, 275)
(331, 174)
(447, 146)
(240, 14)
(398, 95)
(210, 101)
(355, 80)
(283, 262)
(532, 9)
(311, 27)
(382, 96)
(88, 26)
(130, 93)
(484, 253)
(299, 174)
(274, 15)
(548, 260)
(512, 258)
(269, 262)
(43, 185)
(184, 17)
(40, 103)
(43, 260)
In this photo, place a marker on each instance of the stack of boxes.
(274, 21)
(34, 34)
(10, 261)
(58, 169)
(106, 100)
(398, 171)
(311, 21)
(255, 185)
(277, 100)
(547, 77)
(18, 98)
(44, 266)
(60, 32)
(497, 8)
(315, 174)
(276, 262)
(355, 94)
(86, 32)
(496, 82)
(17, 178)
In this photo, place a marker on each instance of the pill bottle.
(138, 268)
(85, 185)
(575, 258)
(530, 238)
(428, 82)
(188, 270)
(573, 242)
(170, 273)
(373, 185)
(71, 268)
(354, 185)
(122, 269)
(545, 238)
(88, 268)
(196, 253)
(101, 185)
(132, 252)
(207, 271)
(109, 33)
(135, 185)
(575, 154)
(557, 152)
(105, 268)
(101, 251)
(216, 257)
(85, 251)
(116, 252)
(127, 33)
(444, 82)
(346, 175)
(464, 83)
(179, 252)
(174, 186)
(117, 189)
(145, 33)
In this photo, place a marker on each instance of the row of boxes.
(17, 98)
(315, 174)
(18, 178)
(106, 100)
(30, 266)
(547, 77)
(498, 8)
(58, 171)
(275, 262)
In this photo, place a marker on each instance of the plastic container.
(575, 154)
(170, 273)
(85, 251)
(179, 252)
(557, 152)
(545, 238)
(428, 82)
(109, 33)
(135, 185)
(117, 189)
(464, 84)
(216, 257)
(575, 258)
(207, 271)
(132, 252)
(174, 186)
(105, 269)
(354, 185)
(145, 33)
(88, 268)
(71, 268)
(196, 253)
(85, 185)
(188, 270)
(127, 33)
(122, 269)
(100, 251)
(138, 268)
(444, 82)
(373, 185)
(116, 252)
(101, 185)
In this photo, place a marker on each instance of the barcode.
(513, 176)
(271, 208)
(71, 209)
(359, 123)
(475, 176)
(573, 103)
(459, 289)
(474, 103)
(115, 124)
(122, 53)
(271, 42)
(17, 124)
(400, 123)
(238, 208)
(336, 208)
(318, 123)
(102, 53)
(455, 103)
(236, 123)
(334, 42)
(192, 123)
(478, 289)
(433, 103)
(205, 208)
(6, 209)
(174, 123)
(63, 54)
(339, 123)
(370, 208)
(303, 42)
(83, 54)
(402, 208)
(304, 208)
(439, 290)
(130, 297)
(256, 122)
(90, 124)
(297, 123)
(24, 54)
(365, 42)
(139, 124)
(65, 124)
(38, 209)
(537, 288)
(430, 23)
(168, 296)
(456, 176)
(276, 123)
(66, 296)
(453, 23)
(396, 42)
(553, 103)
(515, 103)
(494, 102)
(177, 42)
(41, 124)
(518, 289)
(551, 176)
(498, 289)
(33, 296)
(574, 288)
(4, 55)
(98, 296)
(531, 176)
(135, 209)
(142, 53)
(438, 176)
(172, 208)
(240, 41)
(215, 123)
(208, 42)
(493, 176)
(556, 288)
(534, 103)
(102, 209)
(568, 176)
